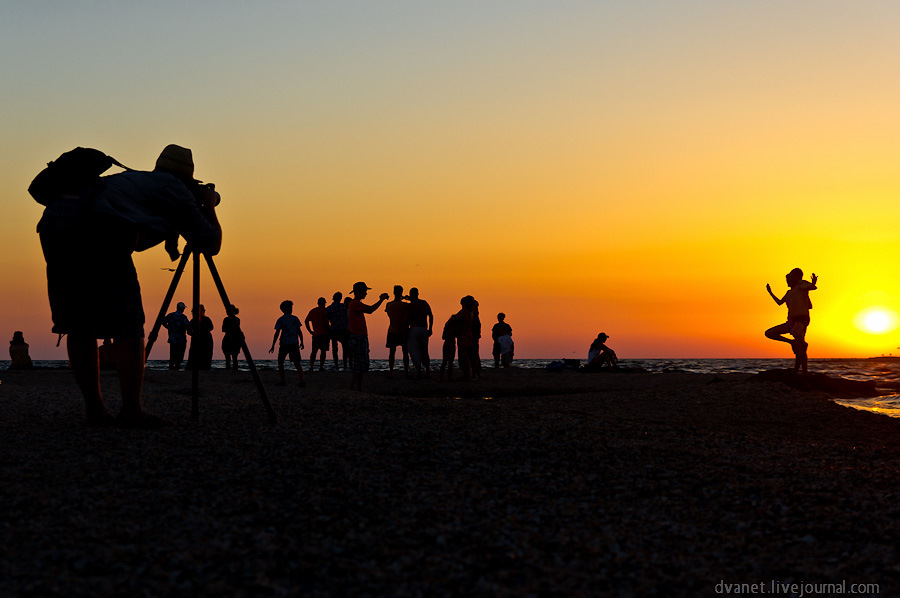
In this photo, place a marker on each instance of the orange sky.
(640, 170)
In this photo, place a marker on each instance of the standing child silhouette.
(797, 299)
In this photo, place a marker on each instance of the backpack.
(76, 172)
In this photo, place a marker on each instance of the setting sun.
(876, 320)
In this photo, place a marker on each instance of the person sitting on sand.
(107, 355)
(599, 355)
(797, 299)
(291, 330)
(18, 352)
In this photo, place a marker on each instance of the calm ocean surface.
(885, 370)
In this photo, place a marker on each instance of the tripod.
(195, 373)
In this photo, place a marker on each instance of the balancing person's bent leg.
(775, 333)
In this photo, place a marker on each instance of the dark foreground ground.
(525, 483)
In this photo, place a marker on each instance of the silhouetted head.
(286, 306)
(794, 276)
(347, 300)
(501, 316)
(202, 310)
(602, 337)
(337, 297)
(361, 289)
(468, 302)
(235, 310)
(398, 291)
(177, 161)
(414, 293)
(18, 338)
(322, 302)
(181, 307)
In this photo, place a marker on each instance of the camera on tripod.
(205, 193)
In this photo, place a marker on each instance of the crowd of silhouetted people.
(340, 326)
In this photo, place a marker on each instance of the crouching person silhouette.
(797, 299)
(88, 236)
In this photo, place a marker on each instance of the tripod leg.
(166, 302)
(195, 362)
(259, 385)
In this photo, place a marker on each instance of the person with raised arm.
(799, 304)
(359, 334)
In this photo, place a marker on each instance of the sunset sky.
(639, 168)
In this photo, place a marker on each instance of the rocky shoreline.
(524, 483)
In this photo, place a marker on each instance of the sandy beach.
(524, 483)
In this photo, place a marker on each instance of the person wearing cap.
(177, 324)
(359, 335)
(88, 239)
(599, 355)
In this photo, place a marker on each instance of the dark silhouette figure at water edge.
(799, 304)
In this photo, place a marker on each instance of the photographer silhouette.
(103, 225)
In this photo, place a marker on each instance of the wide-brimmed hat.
(176, 160)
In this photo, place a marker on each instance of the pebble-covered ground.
(525, 483)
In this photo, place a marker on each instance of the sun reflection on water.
(887, 405)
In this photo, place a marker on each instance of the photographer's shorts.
(91, 281)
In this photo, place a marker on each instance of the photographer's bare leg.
(84, 359)
(130, 355)
(130, 359)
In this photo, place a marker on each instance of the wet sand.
(526, 482)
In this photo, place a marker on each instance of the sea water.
(884, 371)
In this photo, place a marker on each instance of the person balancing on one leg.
(797, 299)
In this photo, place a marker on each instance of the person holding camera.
(359, 334)
(88, 238)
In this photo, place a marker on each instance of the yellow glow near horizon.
(877, 320)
